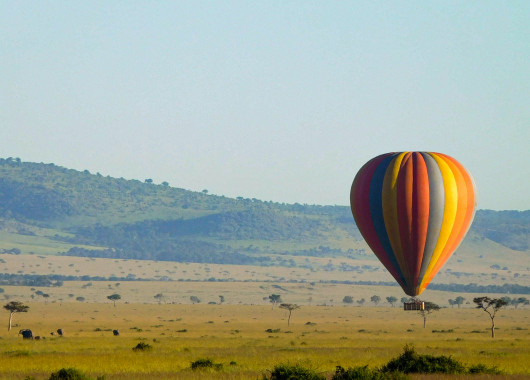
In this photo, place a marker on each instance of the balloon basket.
(414, 305)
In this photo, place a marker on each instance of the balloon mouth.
(413, 292)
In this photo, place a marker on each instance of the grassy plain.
(321, 337)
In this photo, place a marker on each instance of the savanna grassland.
(250, 339)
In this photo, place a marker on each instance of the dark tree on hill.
(519, 301)
(195, 299)
(375, 300)
(290, 307)
(490, 306)
(114, 297)
(347, 299)
(429, 308)
(361, 301)
(391, 300)
(459, 301)
(15, 307)
(275, 299)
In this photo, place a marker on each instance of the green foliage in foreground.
(365, 373)
(293, 372)
(412, 362)
(71, 374)
(396, 369)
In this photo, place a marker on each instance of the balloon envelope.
(413, 209)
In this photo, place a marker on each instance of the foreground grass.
(236, 337)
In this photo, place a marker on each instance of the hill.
(49, 210)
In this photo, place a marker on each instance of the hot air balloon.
(413, 209)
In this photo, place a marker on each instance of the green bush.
(481, 368)
(412, 362)
(293, 372)
(364, 373)
(142, 347)
(205, 364)
(68, 374)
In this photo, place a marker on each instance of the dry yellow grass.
(249, 293)
(319, 336)
(464, 267)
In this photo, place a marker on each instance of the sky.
(281, 101)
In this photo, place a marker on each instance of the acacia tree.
(375, 299)
(15, 307)
(520, 300)
(391, 300)
(428, 308)
(114, 297)
(459, 301)
(490, 306)
(275, 299)
(159, 297)
(290, 307)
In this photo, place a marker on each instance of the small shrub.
(292, 372)
(142, 347)
(364, 373)
(481, 368)
(68, 374)
(272, 330)
(205, 364)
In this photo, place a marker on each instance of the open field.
(321, 337)
(463, 268)
(234, 293)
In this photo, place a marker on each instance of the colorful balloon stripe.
(413, 209)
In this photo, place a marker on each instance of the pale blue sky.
(275, 100)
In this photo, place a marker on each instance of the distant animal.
(52, 333)
(60, 332)
(37, 337)
(26, 334)
(115, 332)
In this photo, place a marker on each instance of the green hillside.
(47, 209)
